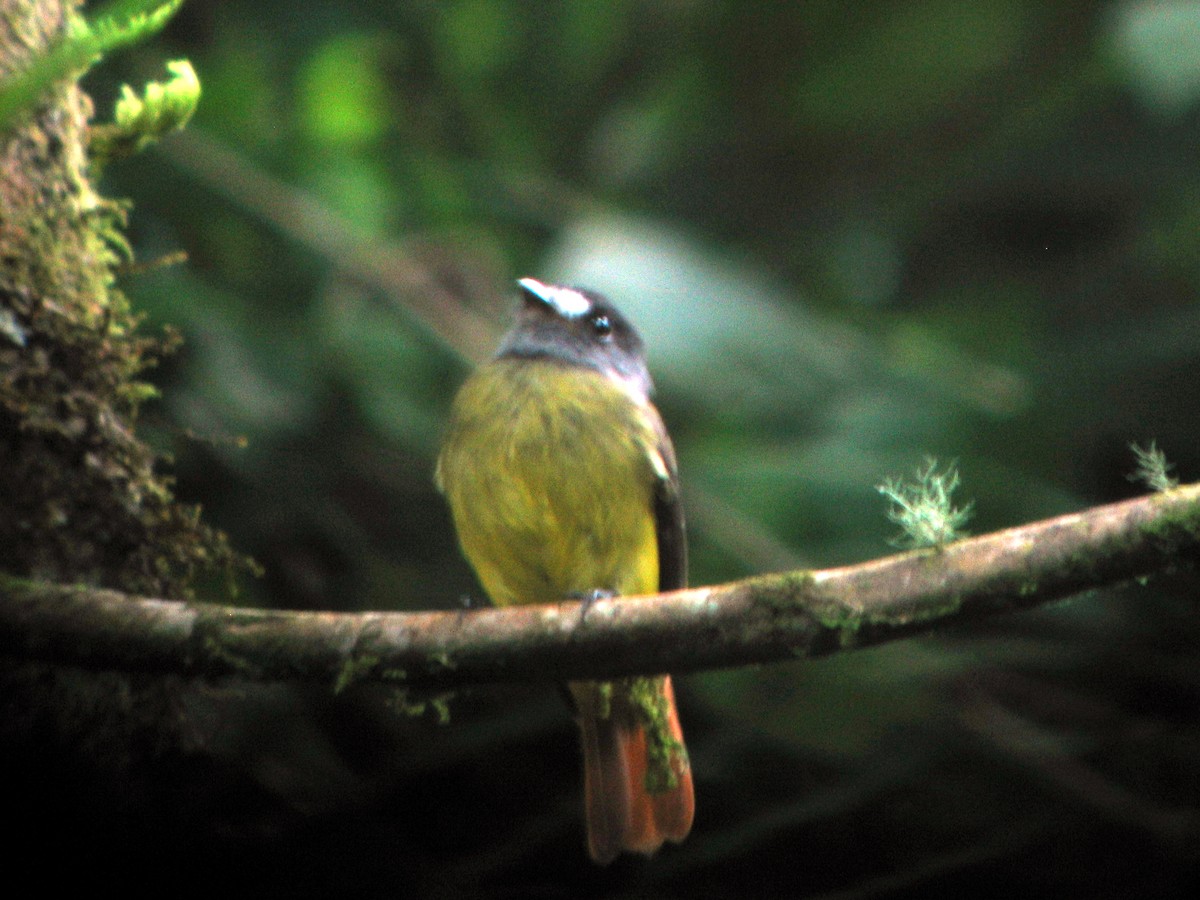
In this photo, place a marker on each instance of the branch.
(770, 618)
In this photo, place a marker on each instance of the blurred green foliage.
(853, 235)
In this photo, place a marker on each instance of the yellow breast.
(550, 473)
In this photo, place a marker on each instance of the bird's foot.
(587, 598)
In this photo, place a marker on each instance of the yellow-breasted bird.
(562, 483)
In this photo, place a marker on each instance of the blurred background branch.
(434, 290)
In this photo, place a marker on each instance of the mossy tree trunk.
(80, 500)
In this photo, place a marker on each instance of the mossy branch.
(770, 618)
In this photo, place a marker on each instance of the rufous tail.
(637, 783)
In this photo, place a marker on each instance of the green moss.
(404, 701)
(355, 668)
(843, 620)
(848, 621)
(233, 660)
(784, 591)
(441, 661)
(666, 755)
(797, 591)
(441, 705)
(604, 697)
(947, 606)
(837, 616)
(1177, 526)
(1152, 468)
(923, 507)
(11, 584)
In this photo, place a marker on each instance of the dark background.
(853, 235)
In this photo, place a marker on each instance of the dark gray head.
(579, 328)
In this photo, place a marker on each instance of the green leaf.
(121, 23)
(138, 121)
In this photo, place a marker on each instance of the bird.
(562, 484)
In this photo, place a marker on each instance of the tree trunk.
(80, 501)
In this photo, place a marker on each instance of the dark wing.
(668, 517)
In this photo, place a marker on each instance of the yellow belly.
(550, 472)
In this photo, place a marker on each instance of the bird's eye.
(601, 325)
